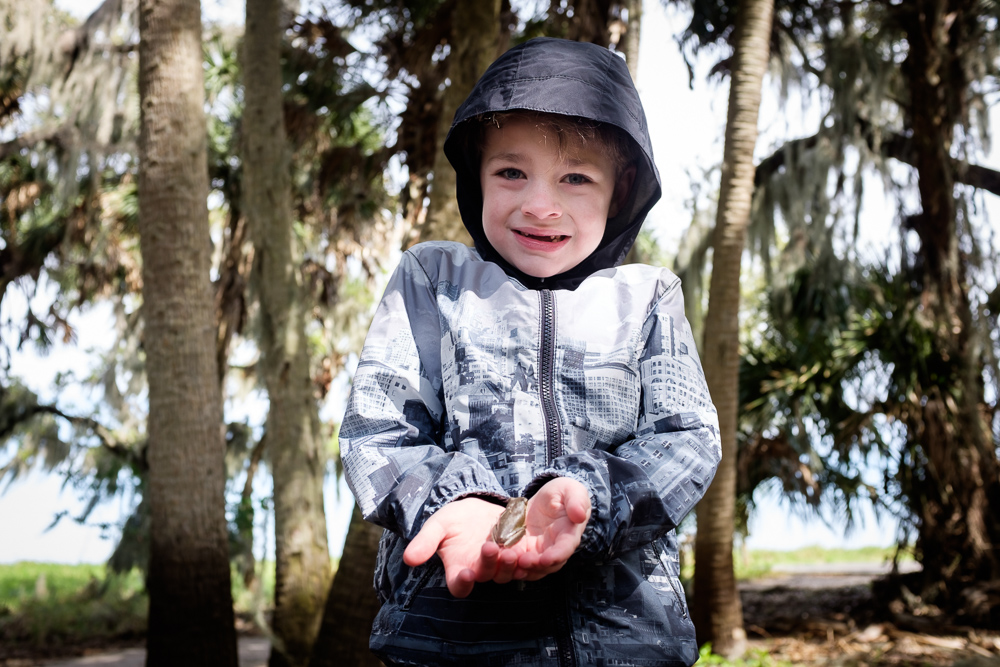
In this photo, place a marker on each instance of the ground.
(812, 616)
(799, 615)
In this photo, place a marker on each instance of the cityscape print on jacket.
(448, 402)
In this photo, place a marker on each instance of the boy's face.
(544, 206)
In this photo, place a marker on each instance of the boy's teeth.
(551, 239)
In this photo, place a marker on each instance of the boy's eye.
(510, 173)
(576, 179)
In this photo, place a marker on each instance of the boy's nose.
(541, 202)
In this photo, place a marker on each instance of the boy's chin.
(542, 270)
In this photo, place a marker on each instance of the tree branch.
(897, 147)
(776, 160)
(62, 137)
(807, 65)
(136, 457)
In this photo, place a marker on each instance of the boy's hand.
(456, 532)
(459, 533)
(557, 516)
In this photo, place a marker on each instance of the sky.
(687, 129)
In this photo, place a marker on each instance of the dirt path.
(824, 615)
(253, 653)
(823, 575)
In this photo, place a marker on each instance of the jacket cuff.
(459, 480)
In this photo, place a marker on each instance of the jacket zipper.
(553, 437)
(430, 567)
(564, 641)
(546, 376)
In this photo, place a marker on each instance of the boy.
(532, 367)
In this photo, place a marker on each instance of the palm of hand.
(462, 548)
(551, 533)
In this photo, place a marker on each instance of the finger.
(557, 554)
(424, 545)
(563, 545)
(578, 509)
(489, 556)
(461, 585)
(525, 562)
(506, 566)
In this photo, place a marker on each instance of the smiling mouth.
(553, 238)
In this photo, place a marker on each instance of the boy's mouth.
(547, 238)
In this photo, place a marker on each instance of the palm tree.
(717, 611)
(474, 41)
(298, 462)
(190, 604)
(905, 84)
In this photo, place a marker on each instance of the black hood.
(557, 76)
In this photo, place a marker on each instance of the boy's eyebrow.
(506, 156)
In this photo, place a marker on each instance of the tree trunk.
(302, 558)
(718, 613)
(190, 600)
(629, 44)
(958, 508)
(474, 37)
(352, 604)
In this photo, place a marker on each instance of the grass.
(249, 602)
(751, 564)
(51, 605)
(24, 579)
(43, 604)
(753, 658)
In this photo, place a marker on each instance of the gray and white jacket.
(470, 384)
(478, 380)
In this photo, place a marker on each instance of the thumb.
(425, 544)
(577, 502)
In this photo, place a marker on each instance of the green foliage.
(754, 563)
(254, 600)
(52, 605)
(87, 246)
(753, 658)
(843, 365)
(19, 580)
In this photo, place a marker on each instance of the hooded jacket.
(477, 380)
(568, 78)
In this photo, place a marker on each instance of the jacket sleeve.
(645, 486)
(392, 435)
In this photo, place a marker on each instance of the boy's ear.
(622, 189)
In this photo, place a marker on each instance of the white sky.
(687, 131)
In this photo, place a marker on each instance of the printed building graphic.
(617, 393)
(447, 399)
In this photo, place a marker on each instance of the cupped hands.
(459, 533)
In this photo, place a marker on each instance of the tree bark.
(190, 603)
(959, 504)
(474, 37)
(629, 44)
(717, 612)
(352, 603)
(302, 559)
